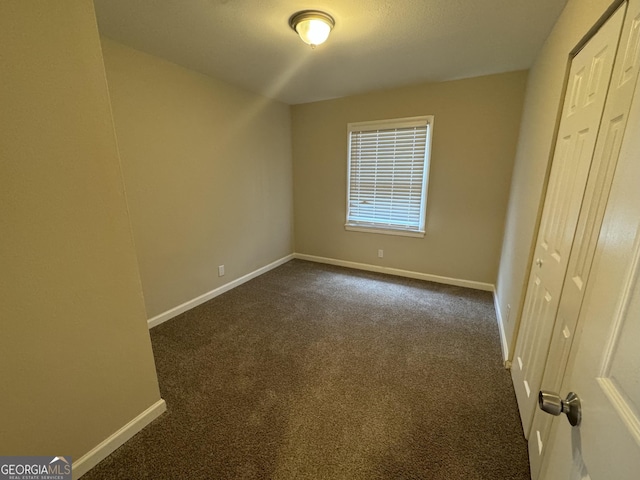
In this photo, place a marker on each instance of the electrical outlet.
(221, 271)
(380, 253)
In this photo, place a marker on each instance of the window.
(387, 176)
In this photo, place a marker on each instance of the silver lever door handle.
(551, 403)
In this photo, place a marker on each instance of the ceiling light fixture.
(313, 26)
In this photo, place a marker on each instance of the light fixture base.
(298, 17)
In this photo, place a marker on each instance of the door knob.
(539, 262)
(552, 403)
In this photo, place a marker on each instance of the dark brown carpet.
(315, 371)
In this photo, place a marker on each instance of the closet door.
(614, 128)
(584, 102)
(604, 367)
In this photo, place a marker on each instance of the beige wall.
(535, 147)
(75, 356)
(208, 173)
(474, 139)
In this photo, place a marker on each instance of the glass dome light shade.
(313, 31)
(313, 27)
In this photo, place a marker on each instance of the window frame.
(407, 122)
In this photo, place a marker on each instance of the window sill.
(383, 231)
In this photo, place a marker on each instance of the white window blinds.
(388, 171)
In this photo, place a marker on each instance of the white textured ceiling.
(376, 44)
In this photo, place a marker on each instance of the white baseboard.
(175, 311)
(503, 336)
(113, 442)
(488, 287)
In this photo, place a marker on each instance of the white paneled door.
(611, 133)
(604, 364)
(586, 93)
